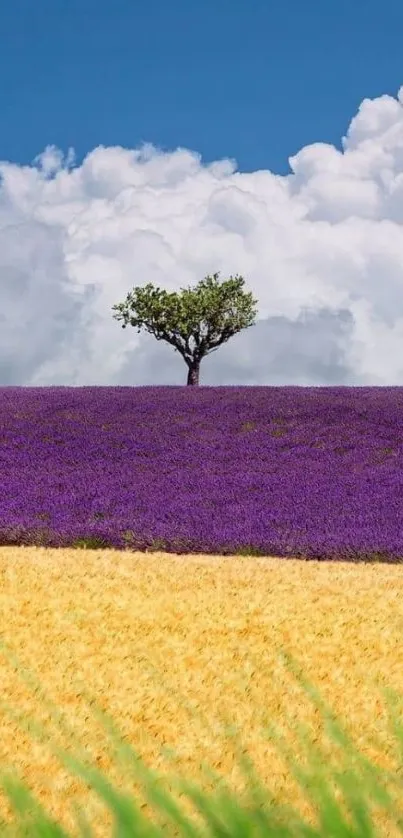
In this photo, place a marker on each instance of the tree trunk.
(193, 374)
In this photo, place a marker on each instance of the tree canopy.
(210, 313)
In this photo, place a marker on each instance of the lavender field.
(294, 471)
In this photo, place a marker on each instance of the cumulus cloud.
(321, 249)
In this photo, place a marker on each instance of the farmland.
(161, 545)
(312, 472)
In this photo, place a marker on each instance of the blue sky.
(255, 80)
(318, 240)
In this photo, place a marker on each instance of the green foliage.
(210, 313)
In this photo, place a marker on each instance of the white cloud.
(321, 249)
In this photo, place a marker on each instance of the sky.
(164, 141)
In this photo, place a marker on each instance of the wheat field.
(142, 632)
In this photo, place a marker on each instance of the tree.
(210, 313)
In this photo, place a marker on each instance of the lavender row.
(315, 472)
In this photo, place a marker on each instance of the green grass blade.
(24, 805)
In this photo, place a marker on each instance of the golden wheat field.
(143, 631)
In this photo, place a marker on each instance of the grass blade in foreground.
(223, 814)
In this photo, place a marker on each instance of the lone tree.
(210, 313)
